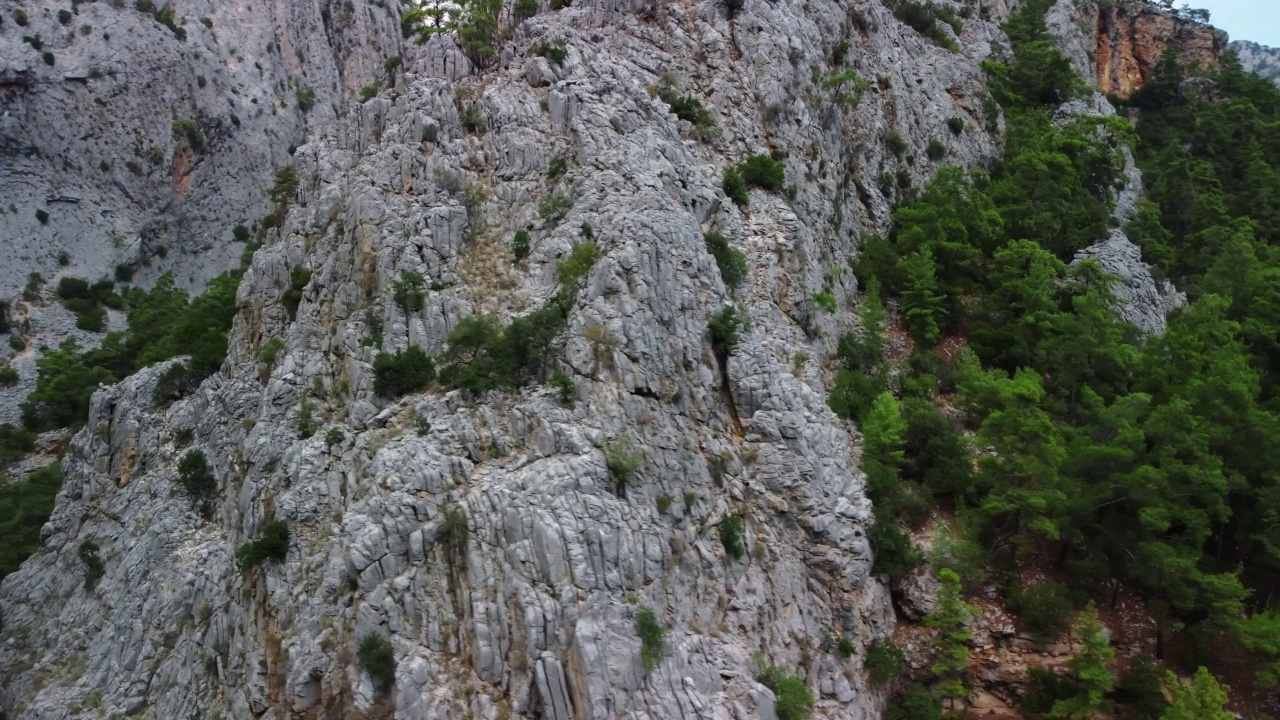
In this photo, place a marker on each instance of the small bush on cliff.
(795, 700)
(291, 298)
(724, 328)
(731, 536)
(189, 131)
(378, 659)
(735, 188)
(197, 481)
(732, 262)
(653, 639)
(93, 567)
(403, 372)
(763, 172)
(273, 545)
(408, 291)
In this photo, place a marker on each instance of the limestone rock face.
(87, 134)
(1259, 59)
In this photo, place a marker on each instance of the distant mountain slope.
(1258, 58)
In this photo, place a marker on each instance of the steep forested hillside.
(1151, 461)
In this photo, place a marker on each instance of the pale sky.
(1256, 20)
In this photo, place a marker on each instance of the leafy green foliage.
(949, 620)
(291, 298)
(795, 701)
(884, 661)
(1200, 699)
(93, 566)
(731, 536)
(621, 461)
(731, 261)
(272, 545)
(64, 385)
(848, 86)
(1141, 689)
(916, 702)
(284, 186)
(520, 245)
(25, 506)
(688, 108)
(402, 372)
(735, 188)
(653, 639)
(189, 131)
(554, 207)
(197, 481)
(824, 301)
(408, 292)
(763, 172)
(566, 390)
(15, 443)
(473, 22)
(925, 19)
(482, 356)
(306, 98)
(378, 659)
(725, 328)
(1043, 609)
(1089, 669)
(555, 51)
(1119, 453)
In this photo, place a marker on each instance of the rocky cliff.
(529, 613)
(1120, 42)
(1259, 59)
(95, 174)
(486, 537)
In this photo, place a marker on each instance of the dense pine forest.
(1114, 458)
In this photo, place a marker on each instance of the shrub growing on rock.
(189, 131)
(408, 292)
(272, 545)
(378, 659)
(731, 536)
(724, 328)
(735, 188)
(763, 172)
(197, 480)
(731, 261)
(291, 298)
(653, 639)
(403, 372)
(795, 700)
(93, 567)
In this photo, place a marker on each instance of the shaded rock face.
(87, 131)
(90, 138)
(1123, 41)
(527, 608)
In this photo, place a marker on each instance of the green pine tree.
(950, 621)
(922, 305)
(1091, 668)
(1200, 699)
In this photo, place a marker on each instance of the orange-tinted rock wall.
(1132, 36)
